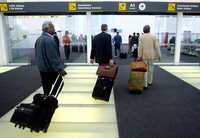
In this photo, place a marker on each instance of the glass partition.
(24, 30)
(163, 27)
(190, 42)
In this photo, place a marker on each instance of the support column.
(89, 39)
(3, 41)
(178, 38)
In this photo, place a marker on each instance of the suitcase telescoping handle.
(57, 86)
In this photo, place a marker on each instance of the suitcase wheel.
(45, 130)
(37, 131)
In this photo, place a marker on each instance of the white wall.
(3, 41)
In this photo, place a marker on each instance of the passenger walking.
(47, 58)
(101, 47)
(117, 40)
(66, 43)
(149, 51)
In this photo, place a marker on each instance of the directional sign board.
(64, 7)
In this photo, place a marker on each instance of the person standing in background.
(149, 51)
(101, 52)
(117, 40)
(129, 44)
(66, 43)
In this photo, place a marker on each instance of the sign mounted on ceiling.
(65, 7)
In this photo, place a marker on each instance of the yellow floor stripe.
(5, 69)
(189, 74)
(78, 115)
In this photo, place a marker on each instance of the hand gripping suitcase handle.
(56, 86)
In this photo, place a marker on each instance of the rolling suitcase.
(123, 55)
(103, 88)
(136, 82)
(136, 78)
(37, 115)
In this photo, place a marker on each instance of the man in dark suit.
(101, 52)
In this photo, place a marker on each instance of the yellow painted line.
(78, 76)
(75, 88)
(84, 114)
(5, 69)
(81, 68)
(81, 72)
(78, 115)
(184, 71)
(80, 81)
(189, 74)
(81, 98)
(7, 130)
(180, 67)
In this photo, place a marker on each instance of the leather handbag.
(139, 65)
(109, 71)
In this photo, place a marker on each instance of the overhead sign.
(64, 7)
(142, 6)
(122, 6)
(188, 7)
(3, 7)
(171, 6)
(72, 6)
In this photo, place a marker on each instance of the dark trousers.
(67, 51)
(48, 79)
(117, 49)
(135, 53)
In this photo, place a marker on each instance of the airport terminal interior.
(169, 108)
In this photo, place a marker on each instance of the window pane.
(24, 30)
(163, 27)
(190, 43)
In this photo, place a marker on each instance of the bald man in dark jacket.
(101, 47)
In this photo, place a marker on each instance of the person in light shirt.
(149, 51)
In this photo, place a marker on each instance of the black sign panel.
(188, 7)
(62, 7)
(92, 6)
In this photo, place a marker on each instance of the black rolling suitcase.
(123, 55)
(103, 88)
(37, 115)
